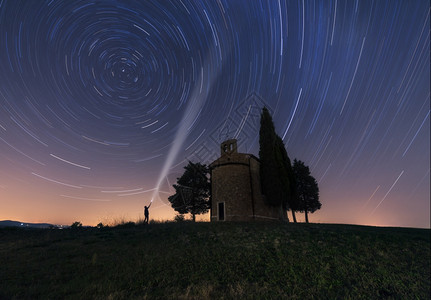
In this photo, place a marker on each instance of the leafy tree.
(274, 167)
(192, 191)
(307, 189)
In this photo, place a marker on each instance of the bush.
(76, 225)
(126, 225)
(179, 218)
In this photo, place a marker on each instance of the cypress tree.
(274, 173)
(268, 164)
(288, 179)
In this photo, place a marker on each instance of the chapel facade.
(236, 188)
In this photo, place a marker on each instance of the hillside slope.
(225, 260)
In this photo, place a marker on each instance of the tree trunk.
(283, 214)
(306, 216)
(293, 215)
(194, 217)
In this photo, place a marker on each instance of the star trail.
(103, 102)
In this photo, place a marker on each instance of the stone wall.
(231, 185)
(235, 181)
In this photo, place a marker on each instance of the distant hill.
(9, 223)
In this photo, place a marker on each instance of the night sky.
(102, 103)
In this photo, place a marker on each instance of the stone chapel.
(236, 189)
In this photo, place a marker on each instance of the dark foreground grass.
(225, 260)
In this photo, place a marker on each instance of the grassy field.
(224, 261)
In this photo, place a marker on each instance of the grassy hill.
(224, 260)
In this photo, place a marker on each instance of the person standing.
(146, 213)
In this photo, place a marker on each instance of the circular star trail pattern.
(106, 71)
(93, 95)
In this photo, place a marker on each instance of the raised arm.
(150, 204)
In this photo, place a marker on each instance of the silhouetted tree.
(268, 162)
(274, 172)
(290, 199)
(192, 191)
(307, 189)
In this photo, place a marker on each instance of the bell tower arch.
(228, 147)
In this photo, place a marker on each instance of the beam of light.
(387, 193)
(195, 105)
(69, 162)
(294, 111)
(55, 181)
(420, 127)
